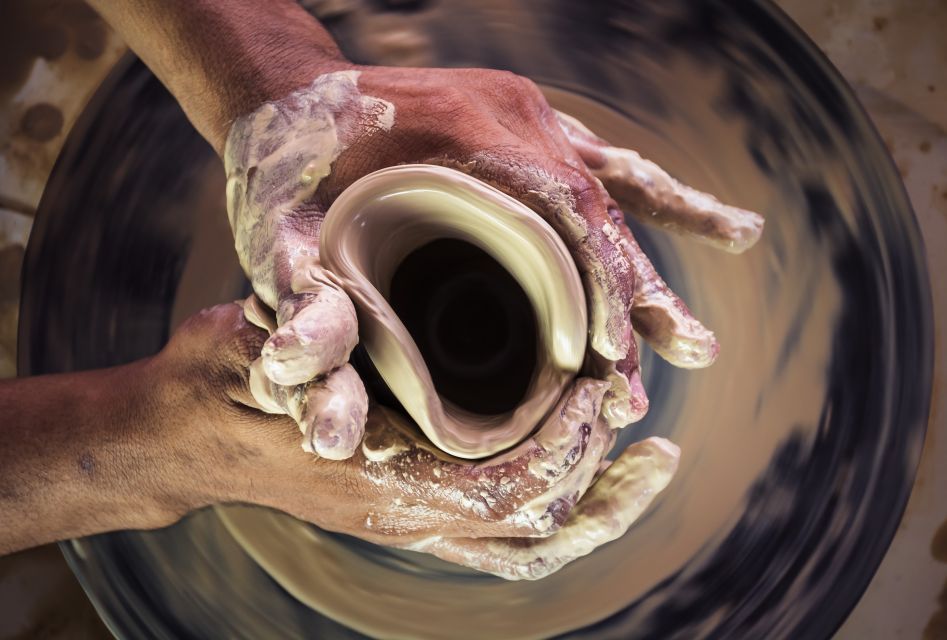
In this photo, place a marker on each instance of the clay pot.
(470, 307)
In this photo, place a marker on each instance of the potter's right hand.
(521, 515)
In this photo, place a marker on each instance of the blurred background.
(55, 53)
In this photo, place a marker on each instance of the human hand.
(520, 515)
(289, 160)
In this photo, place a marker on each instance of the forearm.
(86, 453)
(223, 58)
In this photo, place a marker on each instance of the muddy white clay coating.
(275, 159)
(383, 218)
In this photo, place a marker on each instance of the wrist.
(145, 461)
(178, 440)
(265, 73)
(224, 58)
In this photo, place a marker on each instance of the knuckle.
(551, 519)
(518, 563)
(451, 101)
(530, 92)
(304, 219)
(514, 85)
(501, 78)
(290, 306)
(520, 95)
(536, 569)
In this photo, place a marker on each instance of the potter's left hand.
(140, 445)
(288, 160)
(298, 123)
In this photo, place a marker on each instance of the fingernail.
(336, 411)
(638, 397)
(329, 437)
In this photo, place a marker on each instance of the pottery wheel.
(799, 444)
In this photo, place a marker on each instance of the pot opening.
(472, 322)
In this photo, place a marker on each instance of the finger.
(317, 330)
(616, 500)
(661, 317)
(334, 414)
(561, 464)
(608, 276)
(647, 192)
(589, 146)
(626, 401)
(527, 491)
(573, 203)
(331, 412)
(530, 490)
(555, 441)
(602, 468)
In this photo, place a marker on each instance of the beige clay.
(381, 219)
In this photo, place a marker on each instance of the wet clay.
(389, 223)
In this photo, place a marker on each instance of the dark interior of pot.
(799, 444)
(472, 322)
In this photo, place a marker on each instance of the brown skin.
(223, 58)
(187, 413)
(201, 376)
(182, 431)
(111, 449)
(495, 126)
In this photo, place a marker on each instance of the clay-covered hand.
(644, 190)
(522, 514)
(272, 168)
(288, 160)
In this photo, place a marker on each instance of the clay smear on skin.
(427, 503)
(276, 157)
(604, 514)
(545, 194)
(651, 192)
(287, 171)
